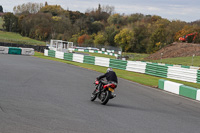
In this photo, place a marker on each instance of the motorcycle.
(104, 92)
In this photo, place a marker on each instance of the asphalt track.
(43, 96)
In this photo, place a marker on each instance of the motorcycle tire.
(93, 96)
(105, 100)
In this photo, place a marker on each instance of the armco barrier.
(59, 55)
(95, 51)
(198, 76)
(51, 53)
(78, 58)
(68, 56)
(35, 47)
(179, 89)
(89, 59)
(183, 74)
(155, 69)
(118, 64)
(101, 61)
(27, 51)
(14, 50)
(3, 50)
(135, 66)
(46, 52)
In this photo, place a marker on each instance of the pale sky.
(184, 10)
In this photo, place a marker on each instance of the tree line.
(99, 26)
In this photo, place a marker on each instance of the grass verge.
(11, 37)
(181, 61)
(132, 76)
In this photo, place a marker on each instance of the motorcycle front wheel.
(105, 96)
(93, 95)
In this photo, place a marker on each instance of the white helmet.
(109, 69)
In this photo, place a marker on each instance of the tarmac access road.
(44, 96)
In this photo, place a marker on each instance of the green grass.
(1, 23)
(135, 56)
(180, 61)
(132, 76)
(11, 37)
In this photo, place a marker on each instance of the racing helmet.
(109, 69)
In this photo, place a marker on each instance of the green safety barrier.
(119, 64)
(183, 90)
(68, 56)
(198, 76)
(185, 66)
(89, 59)
(86, 50)
(161, 83)
(156, 70)
(51, 53)
(168, 65)
(14, 50)
(188, 91)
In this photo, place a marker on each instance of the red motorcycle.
(104, 91)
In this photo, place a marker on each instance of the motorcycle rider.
(110, 76)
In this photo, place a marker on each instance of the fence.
(179, 89)
(94, 51)
(155, 69)
(35, 47)
(16, 50)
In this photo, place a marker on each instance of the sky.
(184, 10)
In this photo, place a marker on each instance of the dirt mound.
(176, 50)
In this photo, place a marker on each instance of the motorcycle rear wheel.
(106, 98)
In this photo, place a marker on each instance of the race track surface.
(44, 96)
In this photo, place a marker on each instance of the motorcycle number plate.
(111, 89)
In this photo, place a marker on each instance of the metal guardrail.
(155, 69)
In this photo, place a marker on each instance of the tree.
(141, 40)
(157, 40)
(46, 4)
(135, 17)
(82, 39)
(115, 19)
(95, 27)
(60, 25)
(27, 8)
(125, 39)
(10, 22)
(37, 26)
(99, 39)
(100, 13)
(1, 8)
(109, 34)
(187, 29)
(55, 10)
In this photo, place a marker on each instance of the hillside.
(176, 50)
(11, 37)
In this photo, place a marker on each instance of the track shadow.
(114, 105)
(122, 106)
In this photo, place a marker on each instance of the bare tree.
(28, 8)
